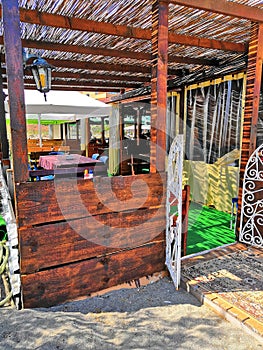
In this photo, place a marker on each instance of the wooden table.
(51, 162)
(67, 165)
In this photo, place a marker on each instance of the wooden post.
(61, 131)
(139, 124)
(159, 84)
(103, 130)
(181, 111)
(122, 117)
(254, 72)
(88, 135)
(255, 48)
(15, 76)
(253, 85)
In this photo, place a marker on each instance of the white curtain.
(213, 120)
(172, 121)
(114, 140)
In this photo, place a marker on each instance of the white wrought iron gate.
(174, 209)
(251, 220)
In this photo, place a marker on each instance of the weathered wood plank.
(65, 199)
(65, 283)
(55, 244)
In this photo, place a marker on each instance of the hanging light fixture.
(41, 71)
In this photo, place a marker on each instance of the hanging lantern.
(41, 71)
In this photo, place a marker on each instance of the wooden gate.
(174, 210)
(251, 227)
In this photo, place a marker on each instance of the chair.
(234, 208)
(56, 153)
(47, 177)
(33, 167)
(104, 159)
(95, 155)
(139, 166)
(39, 178)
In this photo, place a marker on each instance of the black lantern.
(41, 71)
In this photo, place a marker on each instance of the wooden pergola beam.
(108, 67)
(100, 66)
(73, 23)
(59, 21)
(87, 50)
(224, 7)
(103, 77)
(95, 51)
(44, 45)
(205, 43)
(194, 61)
(88, 83)
(77, 88)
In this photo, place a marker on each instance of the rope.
(4, 255)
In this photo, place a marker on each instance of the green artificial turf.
(2, 221)
(207, 228)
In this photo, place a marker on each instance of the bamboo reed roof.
(105, 45)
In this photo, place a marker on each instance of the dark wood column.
(254, 73)
(103, 130)
(253, 85)
(159, 84)
(14, 68)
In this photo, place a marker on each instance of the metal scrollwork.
(251, 229)
(174, 217)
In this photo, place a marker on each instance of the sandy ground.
(155, 316)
